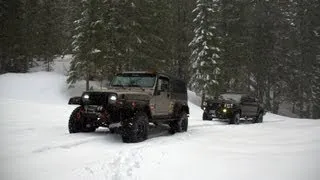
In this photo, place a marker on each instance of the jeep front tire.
(136, 130)
(77, 124)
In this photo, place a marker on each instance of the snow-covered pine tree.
(89, 33)
(307, 46)
(205, 56)
(235, 16)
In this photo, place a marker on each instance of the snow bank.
(41, 87)
(194, 98)
(36, 144)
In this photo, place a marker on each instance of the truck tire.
(235, 119)
(76, 122)
(205, 116)
(259, 118)
(137, 129)
(180, 125)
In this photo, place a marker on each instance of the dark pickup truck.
(234, 107)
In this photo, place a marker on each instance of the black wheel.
(180, 125)
(112, 130)
(77, 123)
(136, 130)
(205, 116)
(235, 118)
(259, 118)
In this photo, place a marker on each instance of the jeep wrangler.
(130, 103)
(234, 107)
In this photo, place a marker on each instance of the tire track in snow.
(65, 145)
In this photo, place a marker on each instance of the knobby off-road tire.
(77, 123)
(205, 117)
(179, 125)
(136, 130)
(235, 118)
(259, 118)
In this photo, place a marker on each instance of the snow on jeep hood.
(133, 93)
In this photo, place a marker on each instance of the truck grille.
(213, 106)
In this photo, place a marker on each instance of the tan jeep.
(133, 100)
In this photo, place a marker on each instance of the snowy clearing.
(36, 144)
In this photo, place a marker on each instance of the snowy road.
(36, 144)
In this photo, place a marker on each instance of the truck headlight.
(112, 98)
(85, 98)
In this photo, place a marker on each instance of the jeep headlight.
(112, 98)
(228, 105)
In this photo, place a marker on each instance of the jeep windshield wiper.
(119, 85)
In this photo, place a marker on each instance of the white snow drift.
(36, 144)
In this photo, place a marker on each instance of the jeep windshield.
(142, 80)
(232, 97)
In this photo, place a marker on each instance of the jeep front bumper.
(224, 113)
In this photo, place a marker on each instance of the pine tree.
(236, 54)
(316, 89)
(205, 56)
(13, 37)
(87, 41)
(306, 42)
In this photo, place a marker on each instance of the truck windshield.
(134, 80)
(234, 97)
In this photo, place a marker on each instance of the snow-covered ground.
(35, 143)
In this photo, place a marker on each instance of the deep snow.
(36, 144)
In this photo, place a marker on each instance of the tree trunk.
(87, 82)
(293, 108)
(268, 99)
(202, 98)
(48, 63)
(315, 112)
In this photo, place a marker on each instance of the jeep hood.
(132, 93)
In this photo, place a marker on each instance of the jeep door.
(162, 99)
(249, 106)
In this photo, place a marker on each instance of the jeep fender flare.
(179, 107)
(142, 106)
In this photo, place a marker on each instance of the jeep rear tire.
(235, 119)
(180, 125)
(77, 124)
(136, 130)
